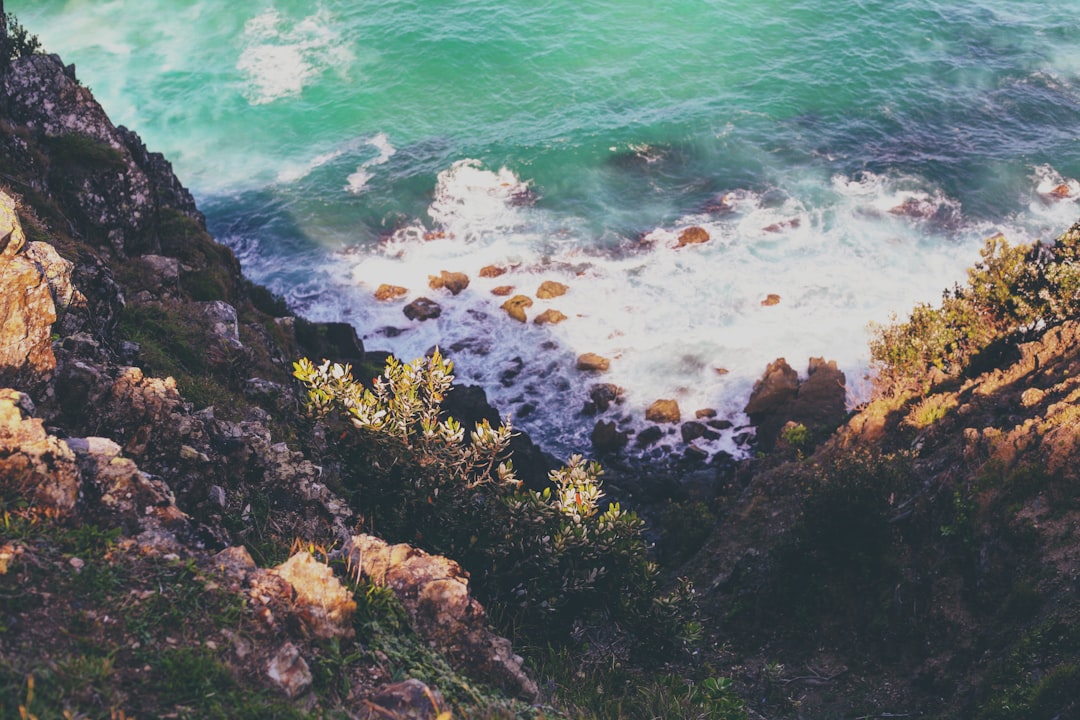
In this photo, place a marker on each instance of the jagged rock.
(163, 272)
(221, 317)
(36, 465)
(778, 398)
(693, 430)
(591, 362)
(648, 436)
(663, 411)
(27, 310)
(551, 289)
(502, 290)
(434, 591)
(455, 282)
(693, 235)
(289, 671)
(492, 271)
(422, 309)
(705, 414)
(389, 292)
(123, 491)
(515, 306)
(549, 316)
(406, 700)
(321, 603)
(606, 438)
(601, 396)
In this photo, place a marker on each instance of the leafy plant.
(547, 558)
(15, 40)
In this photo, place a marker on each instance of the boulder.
(515, 306)
(390, 292)
(549, 316)
(502, 290)
(779, 397)
(770, 300)
(693, 235)
(455, 282)
(663, 411)
(492, 271)
(422, 309)
(289, 671)
(591, 362)
(321, 603)
(606, 438)
(34, 464)
(601, 396)
(551, 289)
(434, 591)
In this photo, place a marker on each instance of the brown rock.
(492, 271)
(553, 317)
(289, 670)
(778, 398)
(434, 591)
(515, 306)
(663, 411)
(782, 225)
(721, 371)
(693, 235)
(777, 387)
(648, 436)
(321, 603)
(551, 289)
(591, 362)
(704, 413)
(1061, 192)
(390, 292)
(502, 290)
(422, 309)
(455, 282)
(34, 464)
(601, 396)
(606, 438)
(770, 300)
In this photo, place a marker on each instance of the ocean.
(848, 157)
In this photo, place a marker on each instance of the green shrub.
(545, 558)
(15, 40)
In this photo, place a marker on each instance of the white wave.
(358, 180)
(278, 61)
(292, 173)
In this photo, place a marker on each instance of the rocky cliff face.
(145, 405)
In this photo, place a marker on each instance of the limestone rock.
(549, 316)
(663, 411)
(422, 309)
(321, 603)
(455, 282)
(515, 306)
(389, 292)
(33, 463)
(434, 591)
(551, 289)
(693, 235)
(591, 362)
(289, 670)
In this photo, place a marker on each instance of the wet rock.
(551, 289)
(422, 309)
(663, 411)
(1061, 192)
(606, 438)
(705, 414)
(455, 282)
(434, 591)
(549, 316)
(693, 235)
(289, 671)
(601, 397)
(390, 292)
(591, 362)
(502, 290)
(782, 225)
(34, 464)
(778, 397)
(648, 436)
(406, 700)
(770, 300)
(492, 271)
(321, 603)
(515, 306)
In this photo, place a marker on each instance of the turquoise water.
(849, 157)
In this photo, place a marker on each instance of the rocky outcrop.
(779, 398)
(515, 307)
(455, 282)
(34, 465)
(435, 593)
(591, 362)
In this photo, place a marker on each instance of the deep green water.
(324, 141)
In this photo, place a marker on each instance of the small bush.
(15, 41)
(547, 559)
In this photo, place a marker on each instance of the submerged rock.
(606, 438)
(492, 271)
(422, 309)
(390, 292)
(693, 235)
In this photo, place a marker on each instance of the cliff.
(180, 538)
